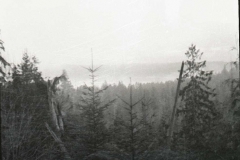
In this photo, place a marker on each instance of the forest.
(194, 117)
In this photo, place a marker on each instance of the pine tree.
(235, 100)
(94, 134)
(3, 65)
(128, 136)
(27, 77)
(147, 132)
(198, 108)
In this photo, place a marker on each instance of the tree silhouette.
(94, 133)
(198, 107)
(4, 65)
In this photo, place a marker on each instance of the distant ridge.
(143, 73)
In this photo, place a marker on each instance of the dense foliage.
(94, 134)
(198, 108)
(53, 120)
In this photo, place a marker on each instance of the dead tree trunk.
(59, 141)
(174, 108)
(56, 118)
(52, 106)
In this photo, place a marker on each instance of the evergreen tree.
(147, 132)
(235, 102)
(27, 77)
(25, 112)
(4, 65)
(94, 134)
(198, 108)
(128, 131)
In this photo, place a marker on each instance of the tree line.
(50, 119)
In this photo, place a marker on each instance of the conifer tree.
(128, 131)
(147, 133)
(198, 108)
(27, 77)
(235, 100)
(94, 133)
(3, 64)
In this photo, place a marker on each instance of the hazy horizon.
(113, 74)
(126, 33)
(119, 32)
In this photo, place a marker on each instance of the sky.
(60, 32)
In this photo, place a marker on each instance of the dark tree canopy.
(198, 108)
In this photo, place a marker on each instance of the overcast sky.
(119, 31)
